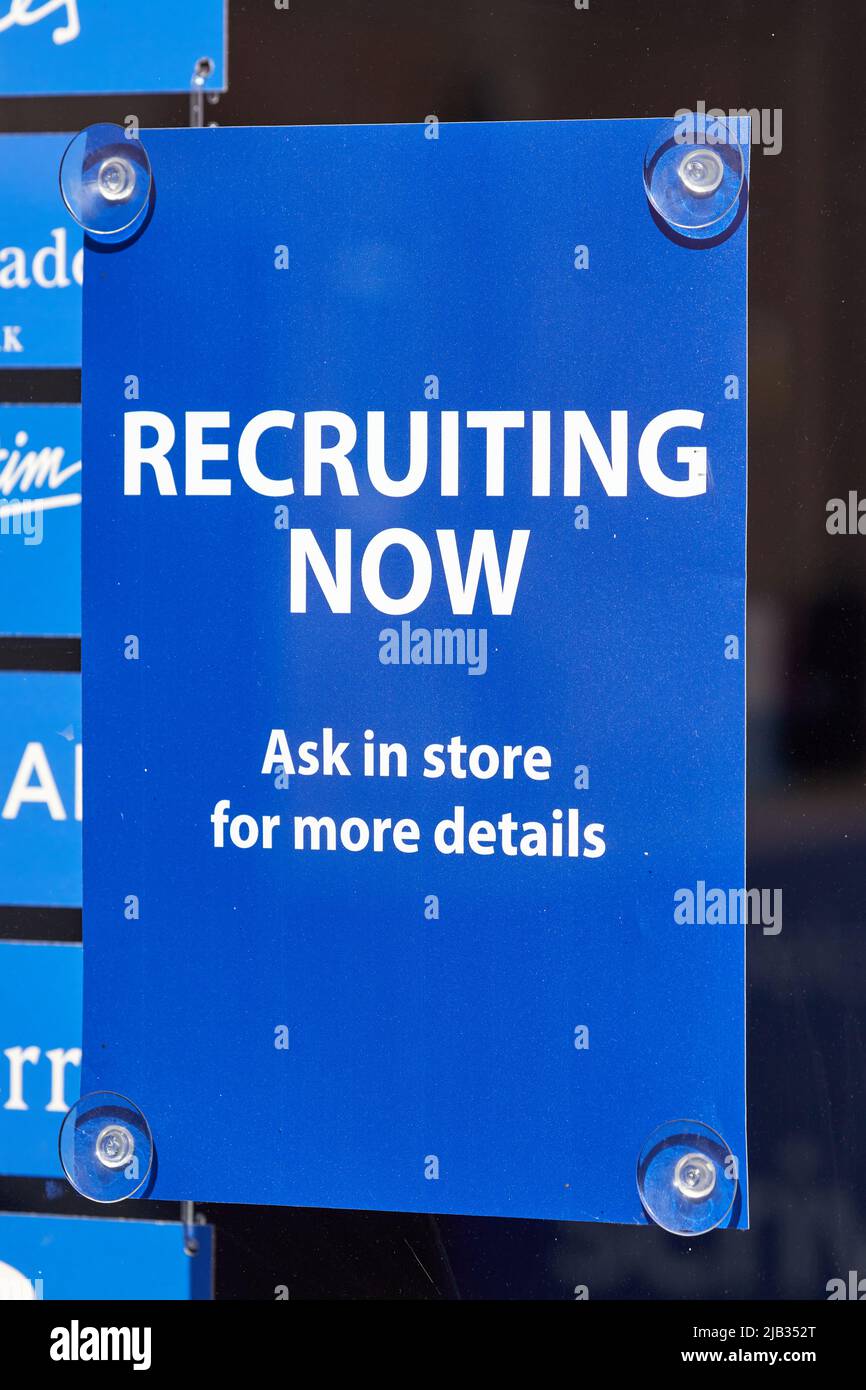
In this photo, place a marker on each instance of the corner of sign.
(687, 1178)
(106, 182)
(106, 1147)
(695, 175)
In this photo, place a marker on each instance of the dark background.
(326, 61)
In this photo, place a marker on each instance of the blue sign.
(40, 1053)
(413, 663)
(40, 520)
(81, 1258)
(40, 789)
(40, 256)
(67, 47)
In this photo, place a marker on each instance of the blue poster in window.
(413, 667)
(40, 520)
(40, 1053)
(41, 257)
(69, 47)
(82, 1259)
(40, 789)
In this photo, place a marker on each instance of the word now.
(461, 579)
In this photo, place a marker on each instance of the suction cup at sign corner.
(106, 181)
(694, 171)
(106, 1147)
(686, 1177)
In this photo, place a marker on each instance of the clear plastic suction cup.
(686, 1177)
(106, 181)
(106, 1147)
(693, 173)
